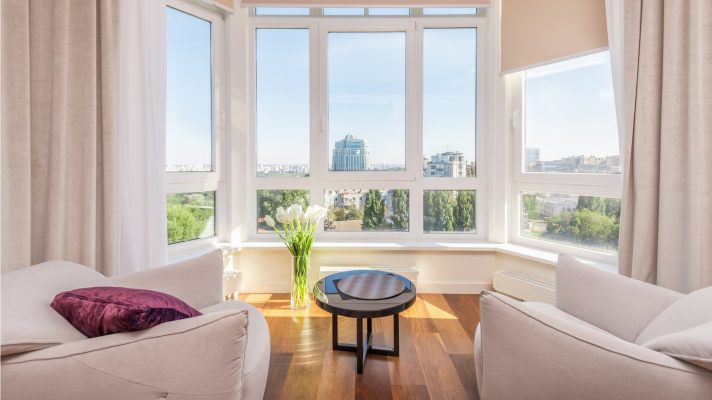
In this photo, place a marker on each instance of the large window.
(371, 113)
(282, 74)
(366, 81)
(567, 179)
(193, 57)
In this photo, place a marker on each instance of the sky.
(188, 90)
(567, 104)
(569, 108)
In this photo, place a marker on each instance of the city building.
(449, 164)
(351, 154)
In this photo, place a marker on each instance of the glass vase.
(300, 289)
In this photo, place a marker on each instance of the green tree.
(400, 209)
(595, 204)
(444, 219)
(374, 211)
(428, 210)
(352, 213)
(532, 205)
(464, 212)
(584, 226)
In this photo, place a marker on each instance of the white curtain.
(614, 23)
(141, 139)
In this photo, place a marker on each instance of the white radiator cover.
(524, 287)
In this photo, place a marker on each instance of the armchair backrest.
(617, 304)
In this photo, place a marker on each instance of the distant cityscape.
(574, 163)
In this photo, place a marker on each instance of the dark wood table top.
(328, 296)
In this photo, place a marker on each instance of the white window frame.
(584, 184)
(412, 178)
(209, 181)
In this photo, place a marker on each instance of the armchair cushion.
(28, 322)
(98, 311)
(693, 345)
(686, 312)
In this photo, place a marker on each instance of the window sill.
(528, 253)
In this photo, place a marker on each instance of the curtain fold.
(666, 220)
(59, 85)
(142, 127)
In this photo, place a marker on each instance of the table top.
(328, 297)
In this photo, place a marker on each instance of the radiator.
(524, 287)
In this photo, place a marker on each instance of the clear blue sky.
(569, 105)
(188, 101)
(570, 108)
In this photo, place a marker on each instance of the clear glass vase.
(300, 289)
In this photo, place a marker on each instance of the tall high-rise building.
(351, 154)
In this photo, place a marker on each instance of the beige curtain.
(59, 132)
(666, 228)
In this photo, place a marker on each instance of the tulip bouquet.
(297, 232)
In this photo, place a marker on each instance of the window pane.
(449, 11)
(353, 210)
(281, 11)
(189, 143)
(367, 101)
(343, 11)
(571, 118)
(449, 102)
(282, 102)
(190, 216)
(388, 11)
(269, 200)
(583, 221)
(449, 211)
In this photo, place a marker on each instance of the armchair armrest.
(612, 302)
(198, 281)
(200, 357)
(527, 353)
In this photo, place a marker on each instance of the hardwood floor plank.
(465, 367)
(410, 392)
(435, 362)
(453, 335)
(467, 310)
(440, 374)
(374, 383)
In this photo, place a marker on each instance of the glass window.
(449, 102)
(269, 200)
(353, 210)
(570, 118)
(449, 211)
(585, 221)
(388, 11)
(449, 11)
(190, 216)
(338, 11)
(189, 143)
(281, 11)
(366, 88)
(282, 102)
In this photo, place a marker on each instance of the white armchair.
(223, 354)
(584, 348)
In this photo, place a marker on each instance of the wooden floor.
(436, 352)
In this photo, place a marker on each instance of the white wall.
(440, 271)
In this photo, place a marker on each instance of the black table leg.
(363, 346)
(334, 331)
(360, 356)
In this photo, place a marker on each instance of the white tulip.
(316, 214)
(282, 215)
(296, 213)
(269, 221)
